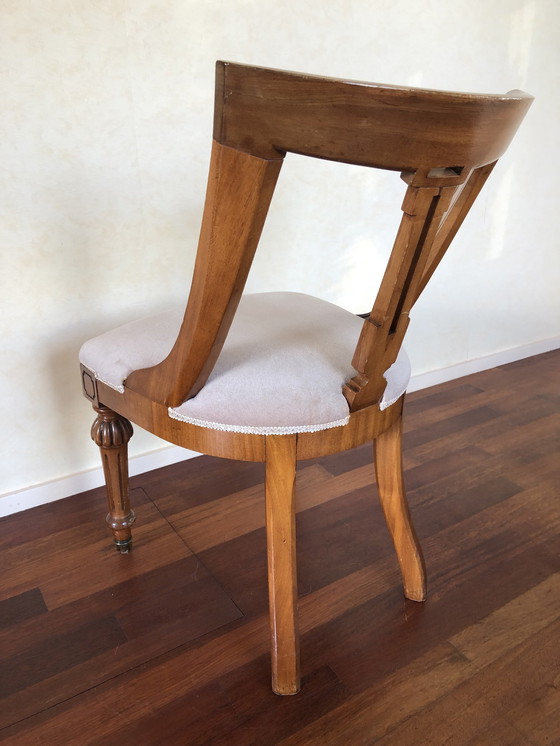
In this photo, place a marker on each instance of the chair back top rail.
(269, 112)
(445, 145)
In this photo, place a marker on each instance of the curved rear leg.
(390, 485)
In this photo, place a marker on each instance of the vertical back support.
(432, 217)
(464, 199)
(384, 329)
(240, 188)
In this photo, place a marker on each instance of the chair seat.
(281, 369)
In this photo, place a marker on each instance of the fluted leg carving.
(111, 433)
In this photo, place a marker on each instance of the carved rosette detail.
(109, 429)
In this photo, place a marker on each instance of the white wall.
(105, 126)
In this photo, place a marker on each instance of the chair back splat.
(270, 377)
(445, 144)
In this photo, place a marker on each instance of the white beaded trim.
(248, 429)
(386, 404)
(254, 430)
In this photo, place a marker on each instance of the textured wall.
(105, 129)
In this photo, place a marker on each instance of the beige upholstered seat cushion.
(281, 369)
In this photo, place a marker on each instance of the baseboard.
(31, 497)
(467, 368)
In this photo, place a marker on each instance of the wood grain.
(111, 433)
(280, 485)
(240, 187)
(268, 112)
(390, 487)
(176, 638)
(444, 144)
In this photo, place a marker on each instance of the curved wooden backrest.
(445, 144)
(270, 112)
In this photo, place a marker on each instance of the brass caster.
(123, 547)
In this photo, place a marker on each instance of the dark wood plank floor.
(169, 645)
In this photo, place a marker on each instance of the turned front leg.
(111, 433)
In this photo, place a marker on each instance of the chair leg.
(390, 486)
(282, 576)
(111, 433)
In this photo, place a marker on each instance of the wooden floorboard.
(170, 643)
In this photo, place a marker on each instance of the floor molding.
(433, 377)
(31, 497)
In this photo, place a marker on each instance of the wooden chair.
(296, 396)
